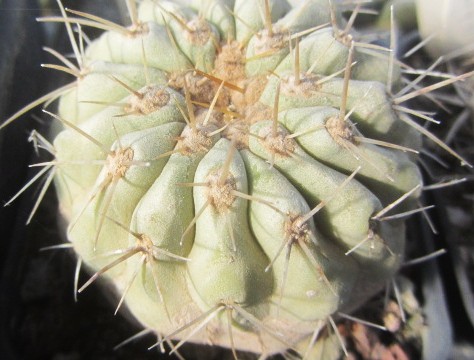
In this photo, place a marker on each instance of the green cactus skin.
(227, 165)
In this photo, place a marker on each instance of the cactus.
(230, 165)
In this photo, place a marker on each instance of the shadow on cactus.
(239, 170)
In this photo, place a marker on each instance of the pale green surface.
(160, 202)
(345, 219)
(304, 294)
(202, 55)
(251, 12)
(217, 13)
(319, 51)
(159, 50)
(388, 173)
(127, 190)
(306, 15)
(372, 108)
(75, 105)
(235, 273)
(73, 146)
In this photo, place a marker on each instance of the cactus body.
(194, 196)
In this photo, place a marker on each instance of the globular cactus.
(229, 165)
